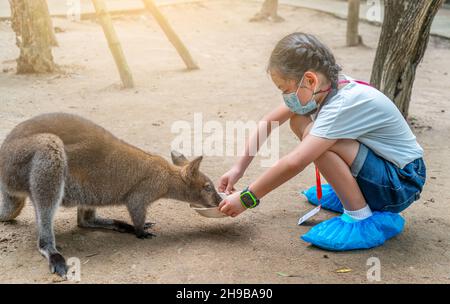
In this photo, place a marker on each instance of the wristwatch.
(248, 199)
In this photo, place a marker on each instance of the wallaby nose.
(220, 197)
(215, 201)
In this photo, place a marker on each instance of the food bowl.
(212, 212)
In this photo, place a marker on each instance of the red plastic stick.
(318, 184)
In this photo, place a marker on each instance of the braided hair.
(298, 53)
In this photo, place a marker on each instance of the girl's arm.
(280, 115)
(307, 151)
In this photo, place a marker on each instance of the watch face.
(247, 199)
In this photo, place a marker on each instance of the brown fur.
(62, 159)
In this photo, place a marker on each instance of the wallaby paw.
(149, 225)
(58, 265)
(123, 227)
(144, 235)
(7, 221)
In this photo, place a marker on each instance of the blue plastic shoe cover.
(344, 233)
(329, 200)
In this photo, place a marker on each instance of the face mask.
(293, 103)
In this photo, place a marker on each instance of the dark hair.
(299, 52)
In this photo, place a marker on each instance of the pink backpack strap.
(357, 81)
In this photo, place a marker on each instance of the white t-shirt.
(365, 114)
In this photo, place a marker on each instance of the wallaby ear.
(178, 158)
(193, 167)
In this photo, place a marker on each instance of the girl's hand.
(228, 180)
(232, 205)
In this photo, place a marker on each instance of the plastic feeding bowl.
(212, 212)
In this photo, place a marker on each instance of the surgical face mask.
(293, 103)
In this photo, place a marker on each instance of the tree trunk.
(114, 43)
(403, 41)
(268, 9)
(34, 35)
(171, 35)
(353, 37)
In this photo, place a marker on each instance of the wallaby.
(62, 159)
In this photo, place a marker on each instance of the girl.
(355, 136)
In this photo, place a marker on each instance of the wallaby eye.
(208, 187)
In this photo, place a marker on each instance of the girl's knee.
(307, 129)
(300, 125)
(294, 123)
(347, 149)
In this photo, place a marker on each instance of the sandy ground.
(231, 85)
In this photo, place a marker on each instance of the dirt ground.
(231, 85)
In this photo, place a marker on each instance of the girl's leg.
(335, 165)
(337, 172)
(349, 231)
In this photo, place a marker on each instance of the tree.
(403, 40)
(171, 35)
(353, 37)
(268, 9)
(35, 36)
(114, 43)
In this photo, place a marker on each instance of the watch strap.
(255, 201)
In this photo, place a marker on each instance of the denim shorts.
(385, 186)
